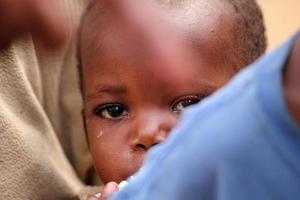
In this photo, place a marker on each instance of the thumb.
(95, 197)
(109, 189)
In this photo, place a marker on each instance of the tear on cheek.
(99, 135)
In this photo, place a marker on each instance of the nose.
(152, 128)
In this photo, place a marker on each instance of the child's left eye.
(111, 111)
(184, 102)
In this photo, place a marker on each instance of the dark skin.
(19, 17)
(291, 94)
(292, 82)
(126, 13)
(128, 108)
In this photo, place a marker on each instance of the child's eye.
(182, 103)
(111, 111)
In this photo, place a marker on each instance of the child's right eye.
(111, 111)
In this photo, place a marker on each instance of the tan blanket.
(41, 133)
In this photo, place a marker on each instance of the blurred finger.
(171, 57)
(12, 21)
(95, 197)
(49, 23)
(44, 19)
(109, 189)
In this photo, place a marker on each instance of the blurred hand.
(109, 189)
(42, 18)
(171, 57)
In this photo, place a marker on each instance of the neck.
(292, 82)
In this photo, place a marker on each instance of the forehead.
(205, 22)
(103, 43)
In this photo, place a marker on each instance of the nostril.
(141, 147)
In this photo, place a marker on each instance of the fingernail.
(122, 184)
(98, 195)
(111, 188)
(95, 197)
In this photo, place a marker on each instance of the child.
(127, 110)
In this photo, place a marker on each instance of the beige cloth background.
(282, 18)
(40, 119)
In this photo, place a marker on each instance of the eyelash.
(193, 100)
(102, 110)
(121, 110)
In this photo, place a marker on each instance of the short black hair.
(248, 40)
(249, 18)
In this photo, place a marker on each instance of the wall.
(282, 18)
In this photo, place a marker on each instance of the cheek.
(111, 151)
(106, 134)
(106, 143)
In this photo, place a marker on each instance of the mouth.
(131, 175)
(134, 165)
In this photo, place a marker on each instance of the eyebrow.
(109, 89)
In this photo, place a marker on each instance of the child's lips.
(134, 164)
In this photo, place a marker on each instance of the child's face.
(127, 110)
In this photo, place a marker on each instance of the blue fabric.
(240, 143)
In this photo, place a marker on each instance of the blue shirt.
(240, 143)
